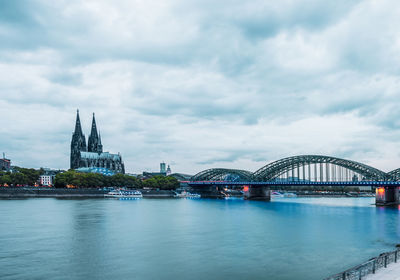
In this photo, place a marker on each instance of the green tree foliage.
(5, 178)
(93, 180)
(20, 176)
(31, 176)
(162, 182)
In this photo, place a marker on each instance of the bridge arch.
(219, 174)
(394, 174)
(323, 165)
(181, 176)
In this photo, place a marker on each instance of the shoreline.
(31, 192)
(372, 269)
(35, 192)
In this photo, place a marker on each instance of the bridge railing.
(371, 266)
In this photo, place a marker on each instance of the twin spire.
(94, 141)
(78, 127)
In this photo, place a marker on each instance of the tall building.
(5, 163)
(92, 155)
(162, 167)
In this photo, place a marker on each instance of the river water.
(289, 238)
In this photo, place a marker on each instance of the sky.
(201, 84)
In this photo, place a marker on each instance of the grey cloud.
(66, 78)
(17, 13)
(311, 15)
(162, 82)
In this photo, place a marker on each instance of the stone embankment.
(26, 192)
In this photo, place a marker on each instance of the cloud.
(200, 83)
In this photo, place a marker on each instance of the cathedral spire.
(99, 145)
(93, 132)
(94, 144)
(78, 127)
(78, 143)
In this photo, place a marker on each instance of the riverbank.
(21, 192)
(392, 272)
(29, 192)
(375, 268)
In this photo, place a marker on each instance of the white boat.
(124, 194)
(289, 195)
(279, 195)
(231, 197)
(186, 194)
(276, 194)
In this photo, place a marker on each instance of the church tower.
(78, 143)
(94, 143)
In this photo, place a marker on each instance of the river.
(288, 238)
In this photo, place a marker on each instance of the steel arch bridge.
(219, 174)
(315, 167)
(394, 174)
(282, 166)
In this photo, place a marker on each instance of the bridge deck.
(303, 183)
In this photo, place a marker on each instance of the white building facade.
(46, 180)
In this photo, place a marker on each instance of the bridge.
(304, 170)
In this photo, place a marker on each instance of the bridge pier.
(258, 193)
(387, 195)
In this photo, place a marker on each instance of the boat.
(289, 195)
(232, 197)
(124, 194)
(276, 194)
(186, 194)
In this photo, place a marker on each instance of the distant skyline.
(201, 84)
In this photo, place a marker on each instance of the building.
(5, 164)
(46, 180)
(48, 177)
(98, 170)
(163, 171)
(92, 155)
(162, 167)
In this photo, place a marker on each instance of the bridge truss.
(219, 174)
(315, 168)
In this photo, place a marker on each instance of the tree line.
(20, 176)
(71, 178)
(94, 180)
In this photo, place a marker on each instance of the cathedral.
(92, 155)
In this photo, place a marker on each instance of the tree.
(19, 178)
(95, 180)
(31, 175)
(5, 179)
(161, 182)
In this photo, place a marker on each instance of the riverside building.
(46, 180)
(92, 155)
(5, 163)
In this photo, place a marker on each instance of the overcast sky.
(201, 84)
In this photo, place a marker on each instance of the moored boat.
(124, 194)
(289, 195)
(276, 194)
(233, 197)
(186, 194)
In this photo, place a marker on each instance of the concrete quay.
(29, 192)
(26, 192)
(391, 272)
